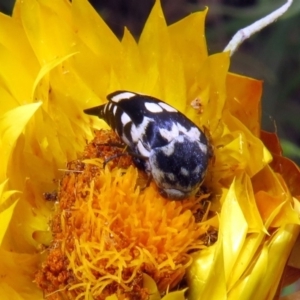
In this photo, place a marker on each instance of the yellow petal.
(279, 247)
(206, 270)
(261, 282)
(271, 193)
(9, 30)
(289, 171)
(6, 208)
(5, 290)
(151, 286)
(178, 295)
(211, 76)
(8, 101)
(165, 76)
(182, 34)
(233, 228)
(245, 258)
(248, 147)
(45, 70)
(247, 287)
(15, 77)
(17, 272)
(131, 65)
(247, 202)
(199, 270)
(50, 26)
(243, 100)
(94, 44)
(155, 35)
(12, 124)
(85, 20)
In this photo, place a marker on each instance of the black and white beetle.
(163, 141)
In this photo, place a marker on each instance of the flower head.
(108, 237)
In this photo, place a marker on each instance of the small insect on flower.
(161, 140)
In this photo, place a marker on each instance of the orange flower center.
(108, 231)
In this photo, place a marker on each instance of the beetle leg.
(106, 161)
(147, 183)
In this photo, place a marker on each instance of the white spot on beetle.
(196, 170)
(175, 194)
(194, 132)
(153, 107)
(142, 150)
(115, 110)
(156, 172)
(203, 147)
(125, 119)
(180, 139)
(137, 132)
(169, 149)
(167, 107)
(105, 109)
(169, 135)
(184, 171)
(171, 176)
(119, 97)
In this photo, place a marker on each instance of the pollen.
(109, 230)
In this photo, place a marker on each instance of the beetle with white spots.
(162, 141)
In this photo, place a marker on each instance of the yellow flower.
(107, 237)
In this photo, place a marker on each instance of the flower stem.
(248, 31)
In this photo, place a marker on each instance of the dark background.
(272, 55)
